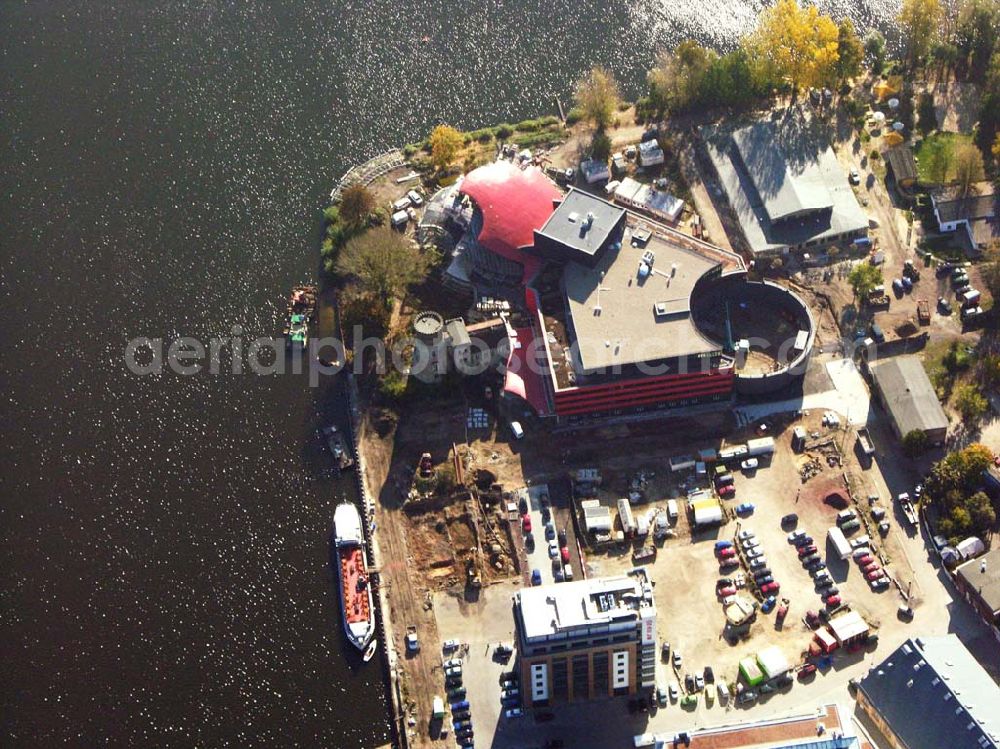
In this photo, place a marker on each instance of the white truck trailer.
(839, 541)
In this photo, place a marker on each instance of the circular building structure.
(768, 326)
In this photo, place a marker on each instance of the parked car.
(720, 545)
(770, 588)
(724, 582)
(832, 601)
(794, 536)
(807, 670)
(825, 582)
(452, 662)
(762, 572)
(875, 575)
(865, 559)
(754, 553)
(861, 553)
(536, 577)
(522, 505)
(727, 553)
(699, 682)
(850, 526)
(745, 534)
(750, 543)
(904, 612)
(821, 576)
(759, 563)
(689, 700)
(870, 567)
(805, 551)
(727, 491)
(791, 519)
(677, 659)
(510, 693)
(709, 675)
(562, 537)
(804, 541)
(815, 568)
(723, 691)
(764, 581)
(860, 541)
(449, 645)
(726, 592)
(944, 306)
(746, 697)
(661, 696)
(457, 693)
(526, 523)
(550, 531)
(553, 549)
(745, 508)
(688, 683)
(750, 464)
(769, 603)
(833, 590)
(514, 712)
(674, 691)
(564, 553)
(879, 583)
(809, 558)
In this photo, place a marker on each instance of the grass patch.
(935, 157)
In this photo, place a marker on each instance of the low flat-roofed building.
(785, 185)
(581, 229)
(594, 171)
(907, 394)
(586, 639)
(650, 153)
(931, 693)
(979, 581)
(828, 727)
(642, 197)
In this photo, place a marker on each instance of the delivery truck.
(839, 541)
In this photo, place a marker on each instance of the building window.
(539, 682)
(581, 677)
(560, 679)
(619, 674)
(600, 666)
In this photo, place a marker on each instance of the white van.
(672, 510)
(844, 516)
(402, 204)
(517, 430)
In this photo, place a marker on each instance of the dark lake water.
(164, 570)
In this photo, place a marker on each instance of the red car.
(875, 574)
(526, 523)
(866, 559)
(806, 550)
(769, 588)
(727, 553)
(564, 551)
(806, 670)
(812, 619)
(832, 601)
(727, 491)
(870, 567)
(723, 592)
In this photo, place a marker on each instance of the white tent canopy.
(773, 662)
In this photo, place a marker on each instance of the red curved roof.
(514, 202)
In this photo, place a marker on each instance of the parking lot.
(685, 573)
(551, 532)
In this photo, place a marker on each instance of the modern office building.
(586, 639)
(931, 693)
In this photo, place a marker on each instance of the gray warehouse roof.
(986, 582)
(568, 223)
(908, 394)
(785, 190)
(934, 694)
(773, 170)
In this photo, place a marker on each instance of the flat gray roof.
(615, 317)
(933, 693)
(986, 582)
(778, 169)
(568, 222)
(546, 610)
(908, 394)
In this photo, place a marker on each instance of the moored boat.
(370, 652)
(338, 447)
(352, 573)
(301, 313)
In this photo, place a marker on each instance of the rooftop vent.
(573, 216)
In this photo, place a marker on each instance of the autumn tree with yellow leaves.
(796, 44)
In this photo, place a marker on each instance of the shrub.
(874, 155)
(409, 150)
(504, 131)
(970, 403)
(393, 386)
(600, 146)
(915, 442)
(574, 116)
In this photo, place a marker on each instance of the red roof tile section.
(524, 379)
(514, 202)
(769, 733)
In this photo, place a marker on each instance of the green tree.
(981, 512)
(795, 43)
(356, 205)
(598, 96)
(676, 82)
(384, 262)
(850, 51)
(970, 402)
(926, 114)
(915, 442)
(989, 108)
(600, 146)
(976, 37)
(863, 278)
(920, 21)
(875, 51)
(445, 142)
(989, 272)
(969, 169)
